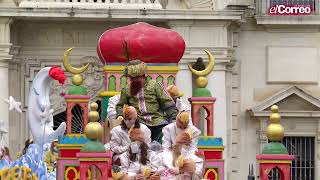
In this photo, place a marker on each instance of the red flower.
(57, 74)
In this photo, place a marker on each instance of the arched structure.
(72, 101)
(208, 104)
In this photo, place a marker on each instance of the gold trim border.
(94, 159)
(275, 161)
(78, 100)
(150, 69)
(108, 93)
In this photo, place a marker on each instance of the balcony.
(92, 4)
(282, 12)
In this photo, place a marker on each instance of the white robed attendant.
(120, 140)
(181, 137)
(140, 162)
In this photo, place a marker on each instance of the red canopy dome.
(145, 42)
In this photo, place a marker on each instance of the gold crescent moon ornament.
(70, 68)
(201, 80)
(207, 70)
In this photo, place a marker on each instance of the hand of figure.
(174, 171)
(154, 176)
(119, 119)
(139, 177)
(125, 177)
(183, 138)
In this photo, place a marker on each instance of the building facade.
(261, 59)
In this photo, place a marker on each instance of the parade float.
(83, 155)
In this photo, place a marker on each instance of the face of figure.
(132, 117)
(138, 79)
(129, 122)
(181, 125)
(186, 176)
(136, 84)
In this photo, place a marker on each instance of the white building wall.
(252, 53)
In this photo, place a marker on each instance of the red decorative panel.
(68, 153)
(213, 154)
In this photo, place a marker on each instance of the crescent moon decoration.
(207, 70)
(70, 68)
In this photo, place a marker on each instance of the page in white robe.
(166, 159)
(134, 168)
(170, 133)
(120, 140)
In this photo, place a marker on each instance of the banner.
(17, 173)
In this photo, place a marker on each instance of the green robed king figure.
(153, 103)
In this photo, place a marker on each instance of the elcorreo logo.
(281, 9)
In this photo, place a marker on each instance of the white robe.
(111, 110)
(170, 133)
(166, 162)
(182, 106)
(134, 168)
(120, 140)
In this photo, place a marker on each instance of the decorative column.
(77, 94)
(5, 57)
(209, 146)
(275, 154)
(201, 96)
(93, 156)
(73, 100)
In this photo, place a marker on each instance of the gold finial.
(202, 80)
(94, 106)
(275, 130)
(77, 78)
(93, 129)
(93, 114)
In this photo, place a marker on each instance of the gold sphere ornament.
(77, 79)
(275, 118)
(201, 82)
(275, 132)
(93, 116)
(274, 109)
(94, 106)
(93, 130)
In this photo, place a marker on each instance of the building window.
(303, 165)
